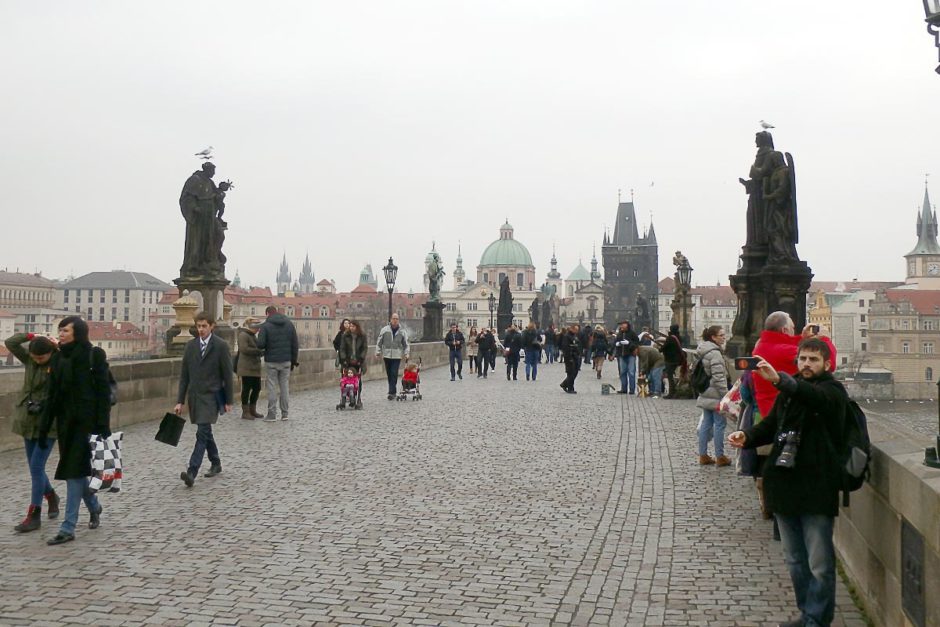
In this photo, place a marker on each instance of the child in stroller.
(411, 383)
(350, 386)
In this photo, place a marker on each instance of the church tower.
(631, 272)
(283, 278)
(307, 281)
(923, 263)
(554, 276)
(595, 275)
(459, 275)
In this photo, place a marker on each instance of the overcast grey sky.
(358, 130)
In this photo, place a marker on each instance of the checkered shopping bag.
(106, 472)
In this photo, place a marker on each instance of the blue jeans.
(205, 443)
(808, 551)
(456, 361)
(712, 423)
(656, 381)
(627, 365)
(532, 358)
(36, 457)
(391, 369)
(76, 492)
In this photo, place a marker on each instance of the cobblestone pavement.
(487, 503)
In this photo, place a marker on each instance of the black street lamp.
(492, 302)
(391, 273)
(932, 11)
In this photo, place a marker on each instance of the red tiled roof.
(109, 331)
(924, 302)
(364, 288)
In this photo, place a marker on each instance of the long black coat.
(204, 381)
(80, 404)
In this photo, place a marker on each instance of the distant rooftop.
(118, 279)
(24, 279)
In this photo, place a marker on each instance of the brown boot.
(705, 460)
(252, 407)
(32, 521)
(722, 461)
(246, 413)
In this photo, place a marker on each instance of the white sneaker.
(283, 416)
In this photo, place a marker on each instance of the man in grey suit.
(206, 383)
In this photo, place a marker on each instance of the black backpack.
(856, 452)
(700, 378)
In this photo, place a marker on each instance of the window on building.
(65, 297)
(871, 302)
(101, 297)
(114, 296)
(927, 348)
(861, 318)
(114, 313)
(928, 374)
(905, 347)
(127, 296)
(78, 296)
(861, 302)
(101, 313)
(502, 275)
(90, 314)
(636, 273)
(928, 325)
(864, 332)
(905, 324)
(127, 314)
(865, 347)
(845, 360)
(520, 279)
(486, 277)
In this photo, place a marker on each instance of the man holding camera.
(801, 474)
(455, 341)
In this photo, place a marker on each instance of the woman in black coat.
(79, 402)
(513, 345)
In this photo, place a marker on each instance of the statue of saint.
(755, 187)
(505, 298)
(435, 270)
(202, 204)
(780, 202)
(535, 310)
(642, 311)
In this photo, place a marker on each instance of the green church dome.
(506, 251)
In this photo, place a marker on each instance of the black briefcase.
(171, 428)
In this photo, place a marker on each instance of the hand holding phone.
(746, 363)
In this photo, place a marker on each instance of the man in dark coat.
(569, 345)
(278, 339)
(802, 476)
(455, 343)
(673, 356)
(512, 343)
(487, 344)
(79, 402)
(206, 385)
(625, 345)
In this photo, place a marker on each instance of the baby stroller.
(350, 387)
(411, 383)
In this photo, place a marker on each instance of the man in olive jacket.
(805, 426)
(206, 384)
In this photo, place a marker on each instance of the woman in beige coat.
(249, 368)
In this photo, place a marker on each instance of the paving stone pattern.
(487, 503)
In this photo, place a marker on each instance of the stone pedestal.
(433, 322)
(762, 289)
(681, 306)
(209, 296)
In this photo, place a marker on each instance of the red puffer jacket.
(780, 349)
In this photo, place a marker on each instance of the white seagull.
(766, 125)
(205, 154)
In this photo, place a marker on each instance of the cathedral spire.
(554, 273)
(594, 273)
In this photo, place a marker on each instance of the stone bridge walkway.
(487, 503)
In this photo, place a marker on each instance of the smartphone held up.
(746, 363)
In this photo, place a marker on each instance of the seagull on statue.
(766, 125)
(205, 154)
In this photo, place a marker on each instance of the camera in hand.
(746, 363)
(33, 408)
(791, 444)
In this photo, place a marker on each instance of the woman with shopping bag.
(79, 403)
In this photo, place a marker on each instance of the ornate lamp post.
(932, 11)
(391, 273)
(683, 297)
(492, 303)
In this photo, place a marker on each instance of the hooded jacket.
(278, 339)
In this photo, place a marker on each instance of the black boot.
(33, 520)
(52, 500)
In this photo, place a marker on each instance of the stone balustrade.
(147, 389)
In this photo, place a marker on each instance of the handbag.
(171, 428)
(106, 468)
